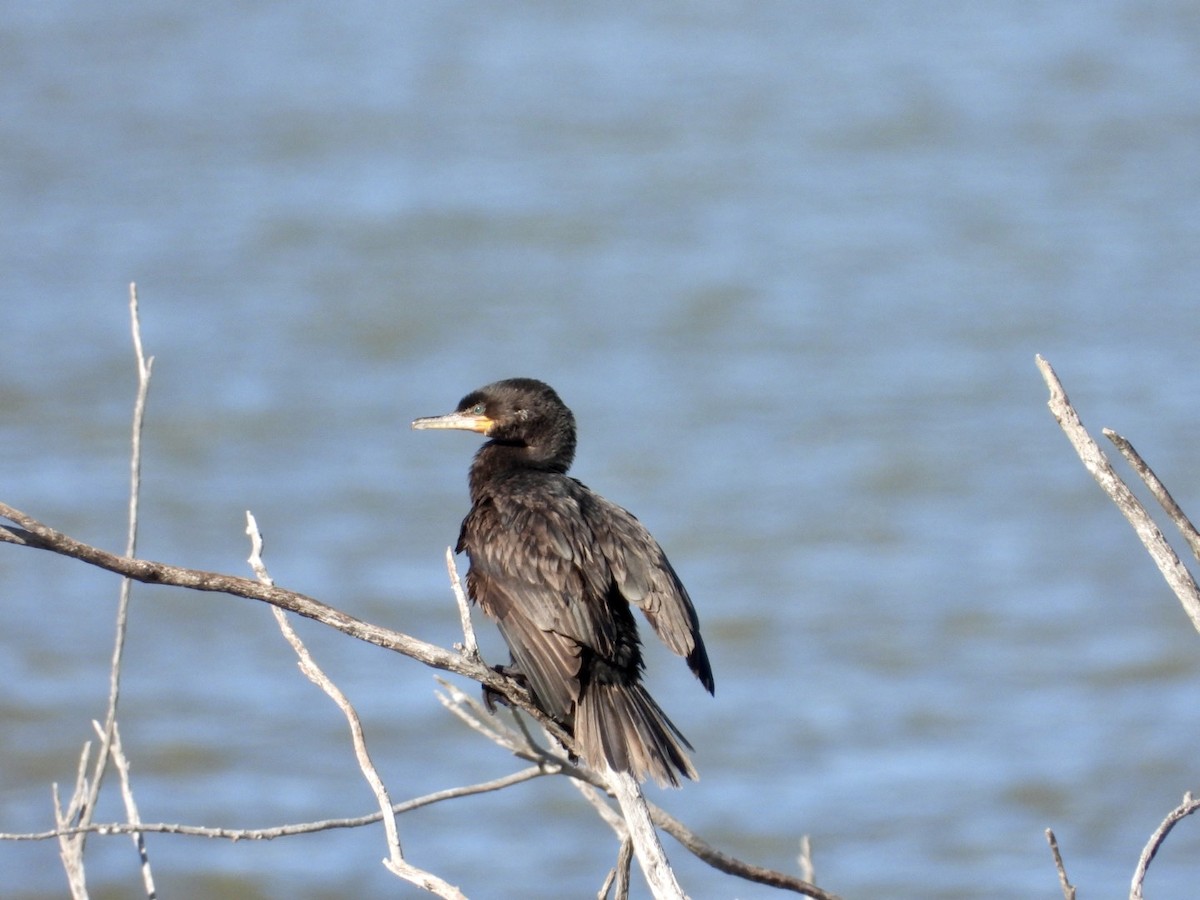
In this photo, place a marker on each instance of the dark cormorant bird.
(557, 567)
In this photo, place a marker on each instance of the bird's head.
(519, 413)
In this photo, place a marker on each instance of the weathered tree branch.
(646, 846)
(121, 761)
(1068, 889)
(280, 831)
(1176, 574)
(395, 861)
(1158, 489)
(83, 803)
(1182, 811)
(32, 533)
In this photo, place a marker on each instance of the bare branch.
(86, 807)
(1182, 811)
(731, 865)
(1065, 883)
(618, 876)
(517, 741)
(395, 861)
(646, 845)
(317, 676)
(1094, 460)
(470, 646)
(1158, 489)
(807, 871)
(121, 761)
(32, 533)
(70, 850)
(268, 834)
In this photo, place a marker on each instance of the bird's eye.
(478, 409)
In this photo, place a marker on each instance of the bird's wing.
(528, 561)
(644, 577)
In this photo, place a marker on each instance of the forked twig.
(1176, 574)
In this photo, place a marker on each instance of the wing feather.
(645, 577)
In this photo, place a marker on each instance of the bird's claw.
(491, 696)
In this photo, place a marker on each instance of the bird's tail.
(621, 725)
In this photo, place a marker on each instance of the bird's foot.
(491, 696)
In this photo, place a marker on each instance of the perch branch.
(32, 533)
(646, 846)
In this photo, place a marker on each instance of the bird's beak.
(456, 420)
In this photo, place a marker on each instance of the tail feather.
(620, 725)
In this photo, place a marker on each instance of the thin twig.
(395, 861)
(1158, 489)
(606, 886)
(318, 677)
(807, 871)
(519, 743)
(121, 761)
(1182, 811)
(314, 673)
(1176, 574)
(598, 800)
(618, 876)
(1064, 882)
(470, 647)
(86, 809)
(70, 849)
(280, 831)
(731, 865)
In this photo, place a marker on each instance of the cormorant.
(557, 566)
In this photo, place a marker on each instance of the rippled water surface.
(790, 266)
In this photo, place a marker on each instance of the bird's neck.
(498, 458)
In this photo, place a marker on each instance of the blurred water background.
(790, 265)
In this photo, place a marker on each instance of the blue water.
(790, 266)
